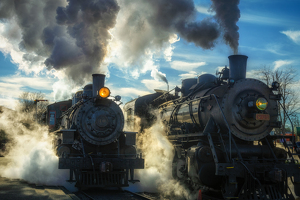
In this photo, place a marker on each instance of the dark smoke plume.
(148, 25)
(87, 23)
(179, 16)
(73, 38)
(228, 14)
(145, 28)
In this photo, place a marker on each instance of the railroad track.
(142, 196)
(126, 195)
(85, 196)
(112, 194)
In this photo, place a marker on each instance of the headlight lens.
(104, 92)
(261, 103)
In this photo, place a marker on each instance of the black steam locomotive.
(220, 129)
(90, 140)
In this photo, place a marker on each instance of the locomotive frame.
(90, 141)
(221, 136)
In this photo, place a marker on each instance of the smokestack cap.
(98, 83)
(237, 67)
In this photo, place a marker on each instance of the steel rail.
(140, 195)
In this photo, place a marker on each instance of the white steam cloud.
(29, 151)
(158, 153)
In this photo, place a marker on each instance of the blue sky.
(269, 34)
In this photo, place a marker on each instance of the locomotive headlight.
(261, 103)
(104, 92)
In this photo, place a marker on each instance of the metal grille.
(108, 179)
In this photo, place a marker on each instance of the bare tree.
(286, 77)
(29, 105)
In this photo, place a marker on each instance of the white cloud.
(128, 92)
(186, 66)
(11, 47)
(253, 74)
(153, 84)
(191, 74)
(8, 102)
(293, 35)
(255, 18)
(38, 83)
(204, 10)
(10, 89)
(272, 48)
(136, 43)
(12, 86)
(279, 63)
(168, 52)
(258, 19)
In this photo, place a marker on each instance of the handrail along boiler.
(90, 140)
(220, 129)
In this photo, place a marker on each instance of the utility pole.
(35, 102)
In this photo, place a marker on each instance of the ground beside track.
(113, 194)
(14, 189)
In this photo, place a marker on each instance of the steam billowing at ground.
(29, 150)
(76, 38)
(158, 153)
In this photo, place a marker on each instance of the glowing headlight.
(261, 103)
(104, 92)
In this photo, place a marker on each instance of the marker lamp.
(104, 92)
(261, 103)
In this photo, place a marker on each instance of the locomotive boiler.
(90, 140)
(220, 130)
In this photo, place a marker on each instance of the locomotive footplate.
(240, 169)
(87, 163)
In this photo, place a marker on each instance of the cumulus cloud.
(191, 74)
(147, 30)
(186, 66)
(204, 10)
(38, 83)
(153, 84)
(128, 92)
(12, 86)
(8, 102)
(279, 63)
(293, 35)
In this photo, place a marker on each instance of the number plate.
(262, 117)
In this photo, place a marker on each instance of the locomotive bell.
(237, 67)
(98, 83)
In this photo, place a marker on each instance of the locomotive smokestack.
(98, 83)
(237, 67)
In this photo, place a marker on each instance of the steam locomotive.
(220, 130)
(89, 138)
